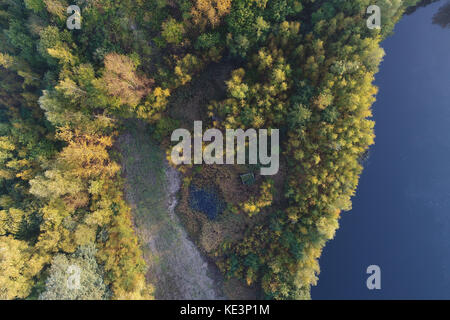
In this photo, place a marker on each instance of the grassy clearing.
(143, 167)
(176, 267)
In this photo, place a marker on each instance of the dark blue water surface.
(205, 201)
(401, 213)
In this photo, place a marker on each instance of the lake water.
(401, 214)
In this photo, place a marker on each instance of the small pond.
(206, 201)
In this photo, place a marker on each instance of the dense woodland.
(304, 66)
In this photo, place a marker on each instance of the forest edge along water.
(399, 219)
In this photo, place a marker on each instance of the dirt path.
(176, 267)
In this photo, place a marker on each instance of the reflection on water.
(442, 17)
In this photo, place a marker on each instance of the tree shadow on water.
(442, 17)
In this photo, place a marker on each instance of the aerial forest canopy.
(304, 66)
